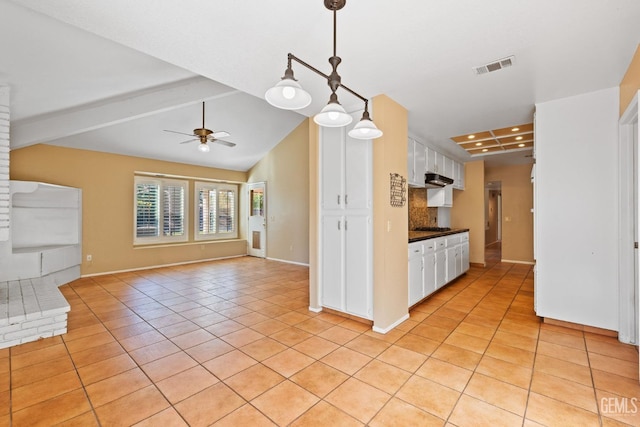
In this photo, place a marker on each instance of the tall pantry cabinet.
(345, 225)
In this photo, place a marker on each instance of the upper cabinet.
(416, 166)
(422, 159)
(344, 162)
(458, 175)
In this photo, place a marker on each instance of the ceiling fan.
(205, 135)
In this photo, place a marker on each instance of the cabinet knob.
(338, 199)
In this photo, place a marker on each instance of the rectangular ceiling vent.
(494, 66)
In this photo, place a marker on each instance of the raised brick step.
(31, 309)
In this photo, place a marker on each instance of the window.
(161, 210)
(216, 211)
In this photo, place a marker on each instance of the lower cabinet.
(346, 267)
(416, 269)
(441, 262)
(429, 271)
(435, 262)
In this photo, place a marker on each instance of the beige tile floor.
(231, 343)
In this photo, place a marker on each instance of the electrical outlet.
(89, 258)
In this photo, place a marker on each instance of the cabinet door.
(411, 171)
(464, 257)
(419, 151)
(357, 261)
(452, 262)
(441, 268)
(448, 167)
(429, 272)
(456, 175)
(332, 167)
(430, 160)
(332, 268)
(358, 174)
(416, 291)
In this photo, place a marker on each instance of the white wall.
(577, 209)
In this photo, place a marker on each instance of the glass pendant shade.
(333, 115)
(365, 129)
(203, 147)
(287, 94)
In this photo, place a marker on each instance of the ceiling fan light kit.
(205, 135)
(289, 95)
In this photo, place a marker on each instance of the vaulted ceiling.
(111, 76)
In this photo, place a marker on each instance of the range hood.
(434, 180)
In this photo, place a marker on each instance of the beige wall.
(285, 171)
(390, 224)
(517, 219)
(631, 82)
(106, 181)
(468, 209)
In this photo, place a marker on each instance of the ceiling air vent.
(494, 66)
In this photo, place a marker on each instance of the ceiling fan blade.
(223, 142)
(190, 140)
(181, 133)
(220, 134)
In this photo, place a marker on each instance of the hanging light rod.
(289, 95)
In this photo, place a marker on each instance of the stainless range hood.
(434, 180)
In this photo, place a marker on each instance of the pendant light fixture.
(289, 95)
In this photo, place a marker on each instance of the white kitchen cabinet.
(440, 197)
(416, 165)
(429, 267)
(431, 161)
(357, 265)
(464, 257)
(416, 268)
(452, 263)
(344, 162)
(332, 254)
(458, 175)
(441, 262)
(345, 266)
(435, 262)
(448, 167)
(454, 266)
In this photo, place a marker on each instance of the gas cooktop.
(433, 229)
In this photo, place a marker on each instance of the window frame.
(217, 186)
(162, 183)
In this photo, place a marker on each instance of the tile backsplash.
(420, 215)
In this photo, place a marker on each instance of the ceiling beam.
(61, 124)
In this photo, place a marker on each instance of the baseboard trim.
(478, 264)
(288, 262)
(390, 327)
(513, 261)
(151, 267)
(580, 327)
(315, 309)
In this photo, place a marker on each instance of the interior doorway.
(493, 221)
(257, 223)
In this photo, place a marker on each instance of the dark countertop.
(416, 236)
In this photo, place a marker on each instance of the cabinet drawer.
(440, 243)
(415, 248)
(464, 237)
(429, 245)
(453, 240)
